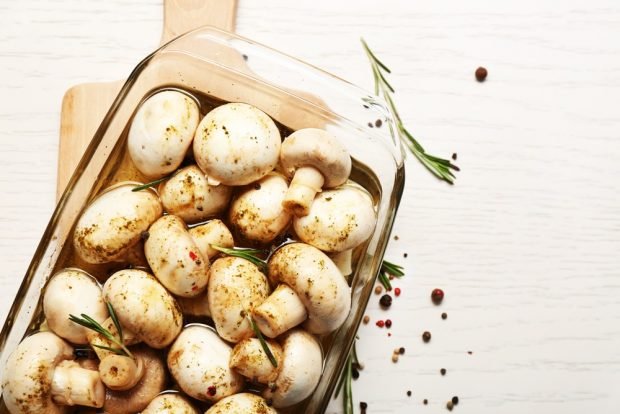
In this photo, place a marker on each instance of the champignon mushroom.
(161, 132)
(212, 232)
(99, 342)
(137, 398)
(243, 403)
(236, 144)
(302, 365)
(113, 222)
(40, 376)
(120, 372)
(236, 286)
(316, 282)
(174, 257)
(338, 220)
(170, 403)
(198, 361)
(315, 159)
(257, 213)
(188, 195)
(72, 291)
(144, 307)
(250, 360)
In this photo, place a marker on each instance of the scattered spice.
(396, 237)
(443, 371)
(401, 350)
(378, 289)
(449, 405)
(378, 123)
(469, 352)
(192, 255)
(370, 125)
(211, 390)
(355, 372)
(363, 405)
(380, 323)
(394, 358)
(426, 336)
(366, 320)
(444, 316)
(389, 334)
(481, 74)
(245, 57)
(454, 156)
(455, 400)
(409, 393)
(144, 235)
(388, 323)
(437, 296)
(405, 255)
(397, 291)
(385, 301)
(425, 401)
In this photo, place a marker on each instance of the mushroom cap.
(161, 132)
(338, 220)
(137, 398)
(175, 259)
(113, 222)
(188, 195)
(243, 403)
(72, 291)
(250, 360)
(212, 232)
(301, 370)
(257, 212)
(236, 286)
(313, 147)
(198, 361)
(144, 306)
(236, 144)
(29, 371)
(170, 403)
(318, 283)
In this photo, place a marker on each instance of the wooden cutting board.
(84, 106)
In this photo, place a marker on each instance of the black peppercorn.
(378, 123)
(481, 74)
(425, 401)
(442, 371)
(408, 393)
(363, 405)
(444, 316)
(385, 301)
(355, 373)
(455, 400)
(426, 336)
(401, 350)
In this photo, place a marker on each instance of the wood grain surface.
(526, 243)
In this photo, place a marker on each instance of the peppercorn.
(444, 316)
(442, 371)
(378, 289)
(437, 296)
(370, 125)
(408, 393)
(405, 255)
(401, 350)
(425, 401)
(380, 324)
(257, 186)
(394, 358)
(366, 319)
(378, 123)
(426, 336)
(455, 400)
(355, 373)
(385, 301)
(388, 323)
(449, 405)
(363, 405)
(454, 156)
(481, 74)
(397, 292)
(144, 235)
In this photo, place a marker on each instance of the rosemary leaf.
(117, 351)
(151, 184)
(114, 318)
(245, 253)
(89, 323)
(263, 343)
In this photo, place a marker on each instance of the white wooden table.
(525, 245)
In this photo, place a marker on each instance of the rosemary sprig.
(440, 167)
(151, 183)
(245, 253)
(263, 343)
(345, 382)
(88, 322)
(389, 269)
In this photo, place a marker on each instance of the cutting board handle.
(181, 16)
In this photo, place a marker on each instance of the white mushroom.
(161, 132)
(236, 286)
(188, 195)
(243, 403)
(236, 144)
(40, 377)
(113, 222)
(170, 403)
(144, 307)
(212, 232)
(257, 213)
(250, 360)
(315, 284)
(120, 372)
(338, 220)
(99, 342)
(138, 397)
(72, 291)
(198, 361)
(174, 257)
(302, 365)
(314, 159)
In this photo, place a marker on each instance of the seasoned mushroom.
(99, 342)
(257, 213)
(137, 398)
(188, 195)
(243, 403)
(251, 361)
(170, 403)
(236, 286)
(338, 220)
(212, 232)
(236, 144)
(198, 361)
(175, 259)
(161, 132)
(113, 222)
(315, 284)
(314, 159)
(120, 372)
(302, 365)
(40, 377)
(72, 291)
(144, 307)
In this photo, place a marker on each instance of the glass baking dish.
(230, 68)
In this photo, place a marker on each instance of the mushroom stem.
(120, 373)
(74, 385)
(306, 182)
(342, 260)
(280, 312)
